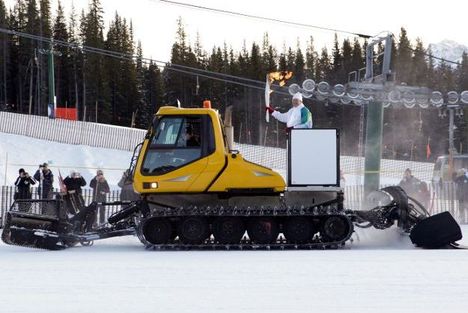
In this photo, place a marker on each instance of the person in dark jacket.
(461, 181)
(100, 189)
(409, 183)
(126, 183)
(23, 185)
(74, 182)
(46, 181)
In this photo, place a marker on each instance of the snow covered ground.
(380, 272)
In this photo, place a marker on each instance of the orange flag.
(428, 150)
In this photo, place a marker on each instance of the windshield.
(177, 141)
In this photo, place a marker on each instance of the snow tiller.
(55, 225)
(198, 192)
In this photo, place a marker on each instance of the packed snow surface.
(379, 272)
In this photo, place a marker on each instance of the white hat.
(297, 95)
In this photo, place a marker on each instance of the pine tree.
(282, 62)
(337, 71)
(268, 55)
(357, 57)
(311, 59)
(176, 82)
(323, 66)
(403, 66)
(4, 56)
(299, 65)
(290, 60)
(347, 54)
(431, 71)
(420, 66)
(94, 89)
(63, 66)
(76, 59)
(462, 79)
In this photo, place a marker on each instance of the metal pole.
(451, 129)
(373, 151)
(374, 122)
(52, 103)
(6, 169)
(31, 87)
(451, 144)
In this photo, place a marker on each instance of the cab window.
(177, 141)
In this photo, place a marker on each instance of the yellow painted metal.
(241, 174)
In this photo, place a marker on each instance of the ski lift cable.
(258, 17)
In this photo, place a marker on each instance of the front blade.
(436, 231)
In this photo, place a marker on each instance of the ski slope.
(380, 272)
(24, 152)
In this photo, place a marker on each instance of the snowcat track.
(329, 209)
(247, 245)
(30, 240)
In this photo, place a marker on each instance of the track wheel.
(157, 231)
(228, 230)
(298, 230)
(335, 228)
(263, 230)
(193, 230)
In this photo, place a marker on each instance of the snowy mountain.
(448, 49)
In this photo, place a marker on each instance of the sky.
(155, 22)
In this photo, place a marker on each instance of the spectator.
(46, 181)
(342, 179)
(126, 183)
(100, 189)
(74, 182)
(461, 181)
(424, 195)
(409, 183)
(23, 185)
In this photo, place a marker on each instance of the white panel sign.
(313, 157)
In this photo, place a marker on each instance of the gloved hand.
(269, 110)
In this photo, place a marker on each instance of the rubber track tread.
(324, 210)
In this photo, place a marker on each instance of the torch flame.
(281, 77)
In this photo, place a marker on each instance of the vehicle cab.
(443, 173)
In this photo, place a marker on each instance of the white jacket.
(296, 117)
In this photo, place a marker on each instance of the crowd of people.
(419, 190)
(72, 185)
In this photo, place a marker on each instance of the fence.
(442, 198)
(71, 132)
